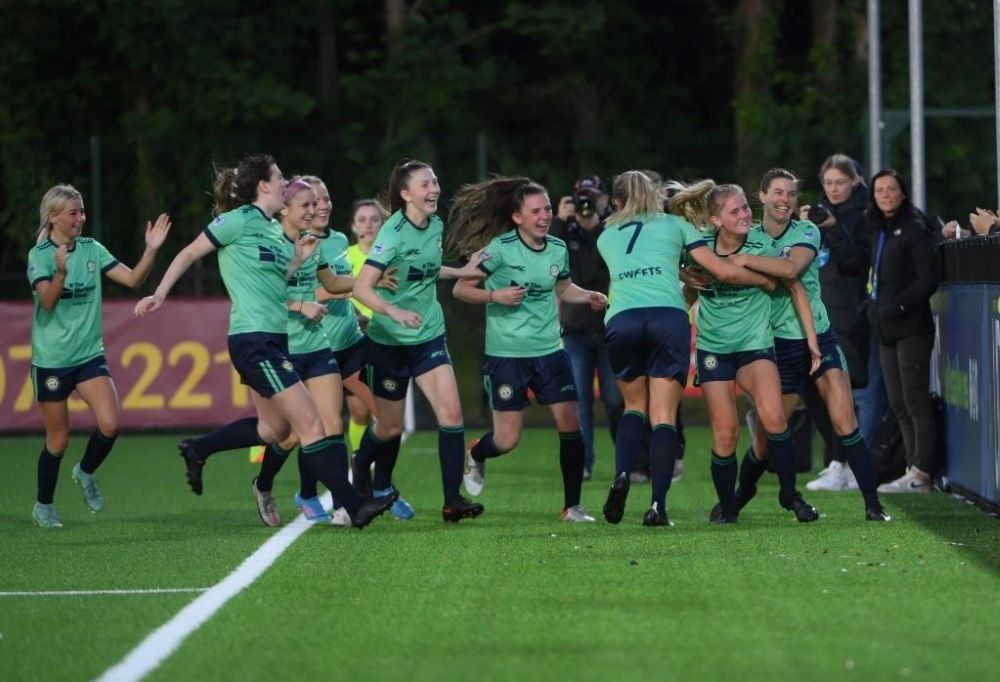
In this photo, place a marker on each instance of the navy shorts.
(652, 342)
(55, 385)
(507, 381)
(794, 360)
(724, 366)
(262, 361)
(318, 363)
(353, 358)
(390, 367)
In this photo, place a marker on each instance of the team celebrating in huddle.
(295, 340)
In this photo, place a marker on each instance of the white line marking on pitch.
(87, 593)
(166, 639)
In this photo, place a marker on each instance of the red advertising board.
(171, 369)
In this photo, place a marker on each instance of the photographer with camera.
(579, 222)
(844, 259)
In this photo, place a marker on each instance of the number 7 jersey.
(643, 257)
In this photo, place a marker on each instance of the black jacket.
(844, 260)
(587, 270)
(908, 276)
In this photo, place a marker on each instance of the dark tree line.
(342, 88)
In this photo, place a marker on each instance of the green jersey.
(530, 329)
(416, 253)
(72, 332)
(253, 260)
(304, 335)
(643, 257)
(784, 318)
(341, 322)
(736, 317)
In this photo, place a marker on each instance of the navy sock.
(724, 478)
(486, 448)
(326, 461)
(451, 452)
(628, 440)
(782, 452)
(385, 463)
(274, 459)
(307, 482)
(236, 435)
(368, 449)
(97, 451)
(48, 475)
(860, 459)
(751, 470)
(662, 456)
(571, 462)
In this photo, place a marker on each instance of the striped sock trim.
(570, 435)
(718, 460)
(452, 429)
(852, 438)
(638, 414)
(313, 448)
(779, 437)
(278, 450)
(669, 427)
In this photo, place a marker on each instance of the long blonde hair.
(53, 202)
(636, 195)
(699, 200)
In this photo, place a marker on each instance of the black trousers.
(906, 366)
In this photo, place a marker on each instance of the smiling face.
(323, 206)
(888, 195)
(300, 210)
(780, 200)
(421, 194)
(366, 224)
(533, 218)
(67, 223)
(269, 191)
(734, 216)
(837, 186)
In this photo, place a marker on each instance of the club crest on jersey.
(505, 392)
(554, 270)
(710, 362)
(91, 266)
(52, 383)
(389, 385)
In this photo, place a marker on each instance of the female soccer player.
(648, 332)
(798, 243)
(526, 271)
(407, 336)
(736, 346)
(255, 267)
(65, 270)
(367, 217)
(339, 325)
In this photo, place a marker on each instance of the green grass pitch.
(513, 595)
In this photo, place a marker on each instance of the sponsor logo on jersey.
(52, 383)
(639, 272)
(710, 362)
(439, 354)
(567, 388)
(505, 392)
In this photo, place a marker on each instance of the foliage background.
(343, 88)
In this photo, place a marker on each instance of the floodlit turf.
(515, 594)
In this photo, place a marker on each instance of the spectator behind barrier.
(904, 277)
